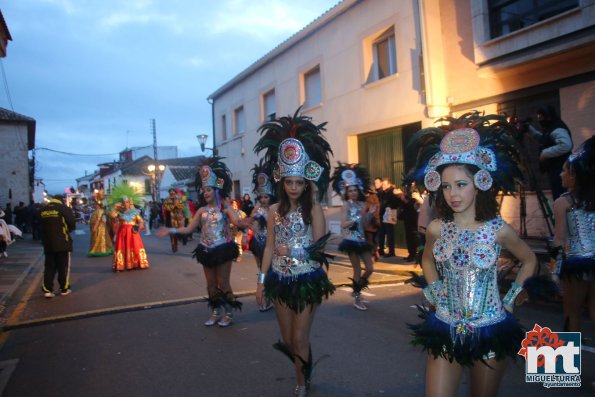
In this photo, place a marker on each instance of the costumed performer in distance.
(101, 243)
(574, 236)
(216, 248)
(468, 325)
(264, 188)
(292, 275)
(129, 250)
(351, 181)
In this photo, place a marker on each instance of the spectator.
(388, 205)
(556, 143)
(247, 204)
(57, 222)
(20, 216)
(8, 214)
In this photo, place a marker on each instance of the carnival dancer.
(574, 236)
(468, 324)
(292, 273)
(351, 181)
(129, 250)
(101, 244)
(173, 213)
(264, 189)
(216, 248)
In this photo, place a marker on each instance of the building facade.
(379, 70)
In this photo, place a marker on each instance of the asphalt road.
(141, 333)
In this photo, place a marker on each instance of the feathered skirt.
(354, 246)
(499, 341)
(214, 256)
(256, 245)
(298, 292)
(578, 267)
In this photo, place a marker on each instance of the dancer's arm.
(267, 256)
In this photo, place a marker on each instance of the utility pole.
(156, 176)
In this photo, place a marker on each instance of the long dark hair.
(582, 165)
(486, 205)
(304, 201)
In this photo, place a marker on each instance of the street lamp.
(156, 171)
(202, 140)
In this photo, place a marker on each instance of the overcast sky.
(93, 73)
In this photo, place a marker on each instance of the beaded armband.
(433, 292)
(512, 294)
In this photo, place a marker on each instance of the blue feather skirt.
(217, 255)
(354, 246)
(500, 340)
(578, 266)
(257, 245)
(298, 292)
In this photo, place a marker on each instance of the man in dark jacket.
(57, 221)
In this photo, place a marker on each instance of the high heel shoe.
(300, 391)
(212, 320)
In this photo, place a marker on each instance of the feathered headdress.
(297, 148)
(214, 173)
(346, 175)
(484, 141)
(124, 192)
(262, 179)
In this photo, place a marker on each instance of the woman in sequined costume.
(468, 324)
(129, 250)
(574, 236)
(350, 181)
(101, 244)
(216, 248)
(264, 189)
(292, 274)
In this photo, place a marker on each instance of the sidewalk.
(23, 255)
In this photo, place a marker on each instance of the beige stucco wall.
(14, 164)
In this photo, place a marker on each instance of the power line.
(83, 154)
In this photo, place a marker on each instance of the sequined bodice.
(467, 262)
(261, 230)
(128, 217)
(291, 231)
(213, 225)
(354, 213)
(581, 232)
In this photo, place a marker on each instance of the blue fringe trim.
(435, 336)
(298, 292)
(215, 256)
(352, 246)
(578, 266)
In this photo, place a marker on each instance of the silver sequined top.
(354, 213)
(213, 224)
(261, 231)
(467, 262)
(581, 232)
(290, 230)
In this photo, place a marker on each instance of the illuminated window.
(268, 104)
(312, 93)
(507, 16)
(239, 124)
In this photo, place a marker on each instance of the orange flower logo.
(539, 337)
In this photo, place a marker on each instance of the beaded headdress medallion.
(212, 172)
(346, 175)
(261, 179)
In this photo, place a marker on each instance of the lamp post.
(156, 171)
(202, 140)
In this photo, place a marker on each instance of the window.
(268, 104)
(239, 121)
(148, 186)
(223, 127)
(506, 16)
(312, 94)
(383, 57)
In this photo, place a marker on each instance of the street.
(141, 333)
